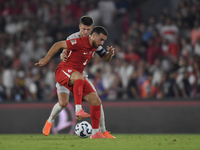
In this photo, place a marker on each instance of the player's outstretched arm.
(110, 53)
(53, 50)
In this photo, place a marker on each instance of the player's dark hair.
(99, 29)
(86, 20)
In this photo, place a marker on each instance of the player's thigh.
(63, 95)
(75, 76)
(92, 98)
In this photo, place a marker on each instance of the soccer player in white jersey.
(85, 27)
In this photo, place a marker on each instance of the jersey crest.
(73, 42)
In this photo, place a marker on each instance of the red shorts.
(63, 75)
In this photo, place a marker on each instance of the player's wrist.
(110, 56)
(47, 57)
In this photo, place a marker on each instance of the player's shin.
(55, 112)
(102, 126)
(95, 113)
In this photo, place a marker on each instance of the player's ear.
(93, 35)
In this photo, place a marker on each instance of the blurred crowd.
(154, 59)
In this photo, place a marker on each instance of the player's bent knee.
(63, 99)
(96, 102)
(63, 103)
(93, 99)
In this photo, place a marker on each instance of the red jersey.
(80, 52)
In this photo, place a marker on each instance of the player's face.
(98, 40)
(84, 30)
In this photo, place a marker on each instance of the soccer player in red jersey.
(69, 73)
(85, 27)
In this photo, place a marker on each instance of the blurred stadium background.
(153, 81)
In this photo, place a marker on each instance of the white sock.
(55, 112)
(102, 126)
(77, 108)
(94, 131)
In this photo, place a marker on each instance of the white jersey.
(73, 36)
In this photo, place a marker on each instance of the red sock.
(95, 113)
(78, 91)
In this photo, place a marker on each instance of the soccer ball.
(83, 129)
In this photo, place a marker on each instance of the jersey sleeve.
(74, 44)
(101, 51)
(73, 36)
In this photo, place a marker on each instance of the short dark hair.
(86, 20)
(99, 29)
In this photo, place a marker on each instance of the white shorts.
(61, 89)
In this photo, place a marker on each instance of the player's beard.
(94, 45)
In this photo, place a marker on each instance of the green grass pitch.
(122, 142)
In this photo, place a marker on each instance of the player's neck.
(90, 40)
(80, 35)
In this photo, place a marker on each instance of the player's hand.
(111, 50)
(42, 62)
(63, 55)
